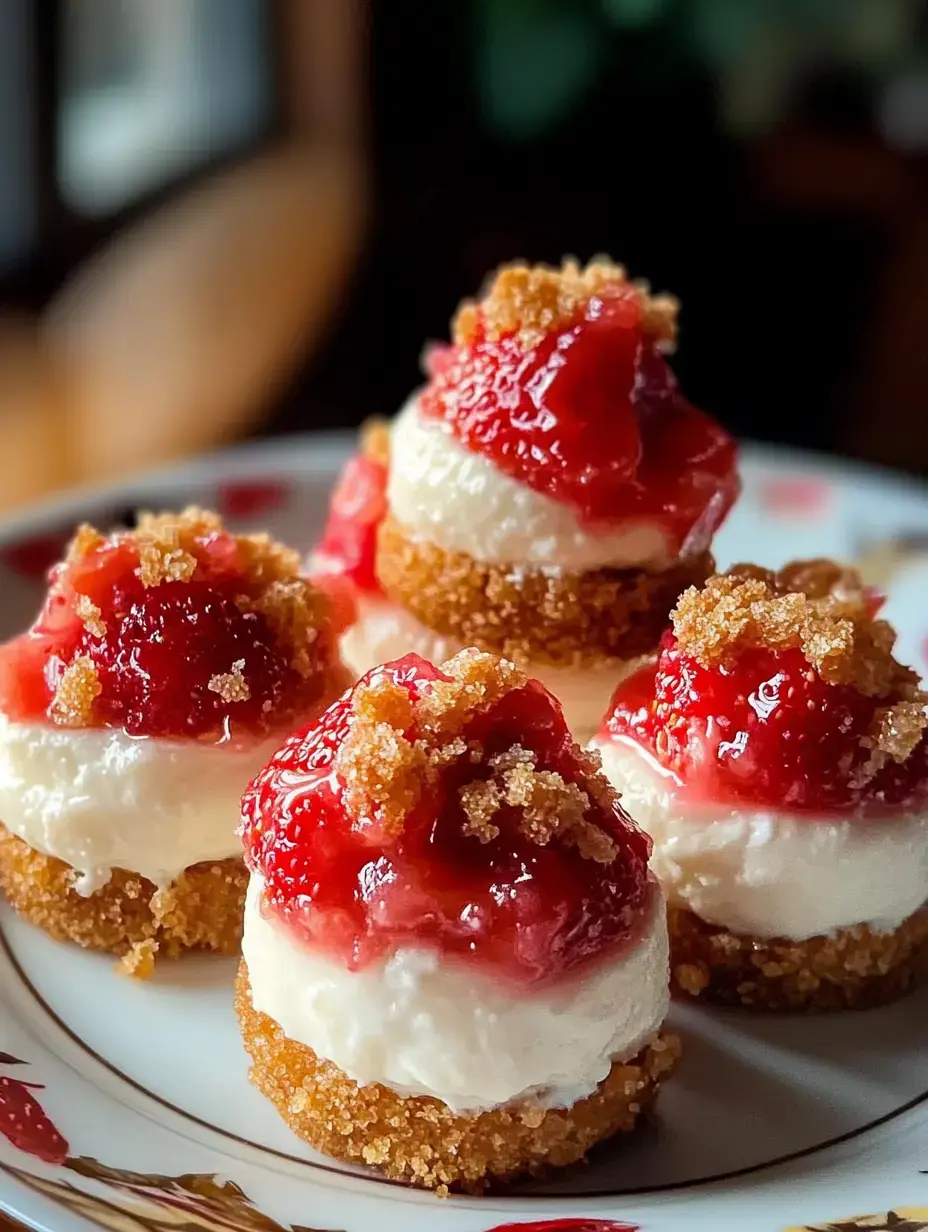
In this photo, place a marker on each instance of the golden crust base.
(201, 910)
(418, 1139)
(533, 617)
(855, 968)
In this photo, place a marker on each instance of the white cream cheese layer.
(766, 873)
(99, 799)
(424, 1025)
(384, 631)
(458, 500)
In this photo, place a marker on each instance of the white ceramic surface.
(770, 1123)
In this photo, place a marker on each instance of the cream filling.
(99, 799)
(458, 500)
(764, 873)
(422, 1024)
(385, 631)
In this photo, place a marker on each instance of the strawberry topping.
(179, 629)
(409, 815)
(582, 406)
(348, 547)
(821, 720)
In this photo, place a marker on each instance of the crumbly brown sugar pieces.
(830, 623)
(169, 548)
(534, 300)
(78, 689)
(396, 746)
(232, 685)
(829, 620)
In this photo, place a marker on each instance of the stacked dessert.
(778, 757)
(165, 666)
(546, 496)
(455, 959)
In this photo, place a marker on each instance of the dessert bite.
(546, 496)
(778, 757)
(166, 664)
(455, 958)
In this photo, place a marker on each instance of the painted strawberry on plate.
(23, 1121)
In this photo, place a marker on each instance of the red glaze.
(767, 731)
(531, 913)
(591, 416)
(161, 647)
(348, 547)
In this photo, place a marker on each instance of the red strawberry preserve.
(194, 655)
(765, 730)
(359, 889)
(591, 415)
(348, 547)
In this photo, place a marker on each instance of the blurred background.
(222, 219)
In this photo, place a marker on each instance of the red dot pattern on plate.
(250, 498)
(798, 496)
(567, 1225)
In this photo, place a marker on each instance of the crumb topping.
(549, 806)
(86, 539)
(534, 300)
(820, 609)
(231, 686)
(91, 615)
(387, 772)
(78, 689)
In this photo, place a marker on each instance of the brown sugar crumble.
(386, 772)
(78, 689)
(534, 300)
(231, 686)
(91, 616)
(822, 610)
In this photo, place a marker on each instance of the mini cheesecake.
(778, 757)
(166, 664)
(455, 958)
(547, 495)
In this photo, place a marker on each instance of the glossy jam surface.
(767, 731)
(348, 547)
(157, 649)
(529, 912)
(592, 417)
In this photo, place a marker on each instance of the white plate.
(770, 1122)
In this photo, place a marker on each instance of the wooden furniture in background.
(177, 334)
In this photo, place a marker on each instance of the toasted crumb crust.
(397, 745)
(821, 609)
(533, 617)
(854, 968)
(533, 300)
(127, 916)
(420, 1140)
